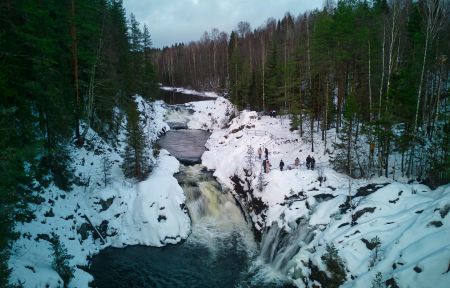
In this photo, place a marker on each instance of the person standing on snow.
(296, 162)
(267, 166)
(308, 162)
(313, 163)
(264, 165)
(281, 165)
(266, 152)
(259, 152)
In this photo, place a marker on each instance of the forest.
(373, 73)
(373, 70)
(66, 67)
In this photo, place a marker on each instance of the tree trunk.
(418, 102)
(263, 74)
(386, 162)
(436, 113)
(370, 88)
(312, 132)
(73, 49)
(391, 52)
(349, 145)
(382, 72)
(326, 118)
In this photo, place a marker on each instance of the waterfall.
(278, 246)
(216, 220)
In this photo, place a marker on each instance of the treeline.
(66, 66)
(373, 69)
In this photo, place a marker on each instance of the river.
(219, 252)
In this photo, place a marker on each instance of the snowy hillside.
(367, 230)
(401, 230)
(151, 212)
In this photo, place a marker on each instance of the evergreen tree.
(64, 63)
(235, 71)
(136, 51)
(273, 77)
(61, 260)
(378, 282)
(343, 159)
(136, 163)
(148, 82)
(335, 265)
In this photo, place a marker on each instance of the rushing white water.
(177, 117)
(278, 247)
(216, 219)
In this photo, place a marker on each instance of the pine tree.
(61, 260)
(261, 182)
(136, 161)
(250, 158)
(106, 170)
(235, 71)
(335, 265)
(378, 282)
(343, 159)
(273, 76)
(148, 82)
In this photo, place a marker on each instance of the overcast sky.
(171, 21)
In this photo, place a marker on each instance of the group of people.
(310, 161)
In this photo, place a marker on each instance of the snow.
(407, 218)
(189, 91)
(402, 216)
(209, 114)
(150, 212)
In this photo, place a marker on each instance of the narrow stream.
(219, 252)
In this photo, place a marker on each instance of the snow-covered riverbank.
(410, 222)
(151, 212)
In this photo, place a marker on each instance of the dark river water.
(186, 145)
(174, 98)
(182, 265)
(220, 250)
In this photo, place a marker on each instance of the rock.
(361, 212)
(394, 201)
(237, 129)
(83, 230)
(444, 210)
(49, 213)
(323, 197)
(369, 189)
(436, 224)
(103, 228)
(106, 203)
(42, 237)
(369, 244)
(390, 283)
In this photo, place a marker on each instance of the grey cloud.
(172, 21)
